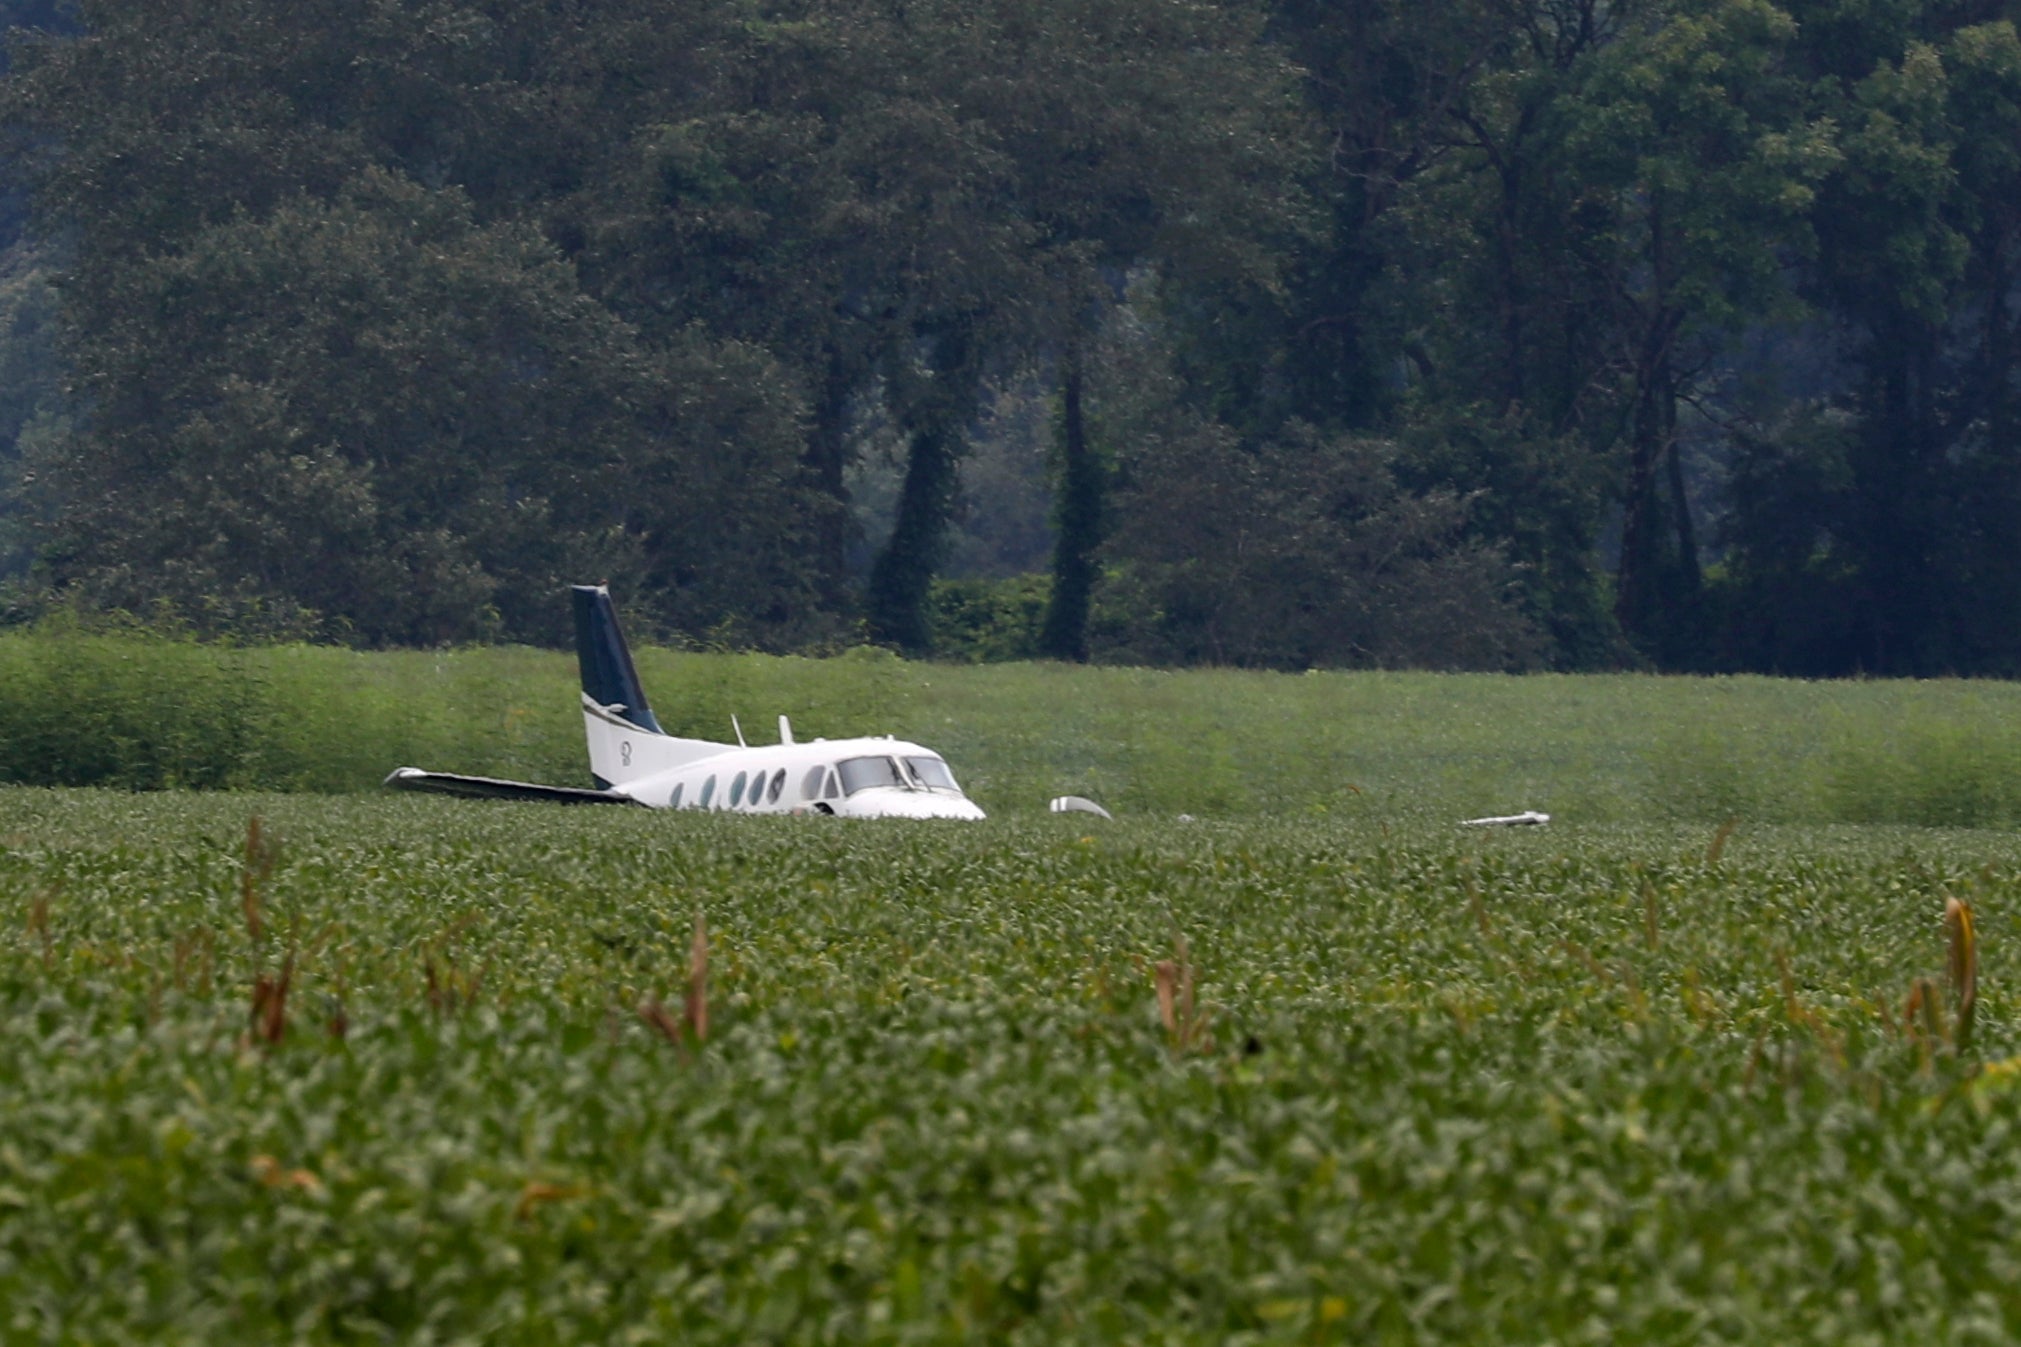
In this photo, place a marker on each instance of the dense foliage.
(1580, 332)
(1579, 1086)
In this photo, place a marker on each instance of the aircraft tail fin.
(608, 677)
(626, 742)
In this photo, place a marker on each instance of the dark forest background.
(1493, 334)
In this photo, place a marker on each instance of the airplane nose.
(961, 808)
(880, 803)
(940, 806)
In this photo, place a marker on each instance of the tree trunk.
(936, 407)
(1080, 529)
(901, 581)
(1689, 573)
(1634, 577)
(827, 458)
(1657, 582)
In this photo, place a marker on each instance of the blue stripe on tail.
(607, 673)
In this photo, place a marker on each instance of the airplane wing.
(492, 788)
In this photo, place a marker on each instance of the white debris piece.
(1529, 818)
(1075, 804)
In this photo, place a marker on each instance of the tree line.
(1504, 334)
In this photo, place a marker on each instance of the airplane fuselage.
(850, 778)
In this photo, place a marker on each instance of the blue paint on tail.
(607, 673)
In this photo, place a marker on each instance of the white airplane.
(634, 761)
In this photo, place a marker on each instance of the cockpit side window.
(865, 773)
(810, 789)
(834, 790)
(932, 773)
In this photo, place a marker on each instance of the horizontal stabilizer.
(492, 788)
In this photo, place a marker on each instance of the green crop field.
(417, 1070)
(285, 1059)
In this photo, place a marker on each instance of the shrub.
(142, 712)
(989, 621)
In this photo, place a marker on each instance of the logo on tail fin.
(608, 678)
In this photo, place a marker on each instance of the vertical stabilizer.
(626, 743)
(608, 678)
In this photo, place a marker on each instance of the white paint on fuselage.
(651, 768)
(621, 751)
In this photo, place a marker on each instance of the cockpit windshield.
(932, 773)
(863, 773)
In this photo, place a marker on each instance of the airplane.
(635, 762)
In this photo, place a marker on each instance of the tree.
(315, 383)
(804, 184)
(1146, 141)
(32, 406)
(902, 201)
(1448, 303)
(1384, 87)
(1693, 141)
(409, 424)
(1078, 514)
(1294, 551)
(1903, 473)
(1612, 196)
(1302, 553)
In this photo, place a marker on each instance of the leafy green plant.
(989, 621)
(1458, 1087)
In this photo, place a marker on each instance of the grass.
(79, 709)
